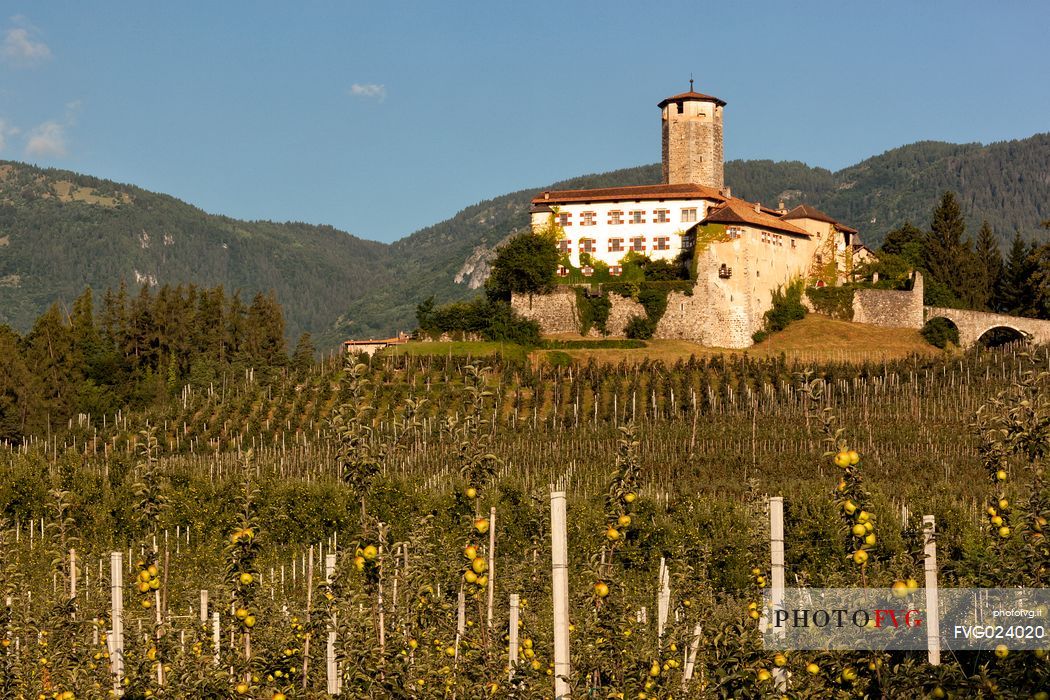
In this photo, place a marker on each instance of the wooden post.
(216, 636)
(776, 559)
(72, 573)
(461, 614)
(492, 561)
(331, 668)
(560, 590)
(116, 588)
(309, 604)
(512, 633)
(204, 606)
(933, 613)
(663, 598)
(690, 655)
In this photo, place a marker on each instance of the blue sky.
(381, 118)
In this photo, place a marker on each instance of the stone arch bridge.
(973, 324)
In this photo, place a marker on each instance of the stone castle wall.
(621, 311)
(889, 308)
(555, 312)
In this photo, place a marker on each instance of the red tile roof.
(804, 211)
(737, 211)
(638, 192)
(698, 96)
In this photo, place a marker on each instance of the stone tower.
(692, 139)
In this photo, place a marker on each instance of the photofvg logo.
(884, 619)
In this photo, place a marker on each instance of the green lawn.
(478, 348)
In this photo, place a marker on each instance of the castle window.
(587, 218)
(638, 244)
(563, 271)
(565, 218)
(662, 243)
(820, 259)
(586, 245)
(689, 215)
(615, 245)
(615, 270)
(792, 242)
(587, 271)
(725, 272)
(660, 216)
(637, 217)
(615, 217)
(565, 245)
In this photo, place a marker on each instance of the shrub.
(640, 327)
(836, 302)
(787, 307)
(493, 320)
(593, 344)
(939, 332)
(525, 264)
(557, 358)
(594, 311)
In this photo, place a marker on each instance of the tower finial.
(690, 82)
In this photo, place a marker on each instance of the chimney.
(780, 207)
(758, 208)
(729, 191)
(546, 195)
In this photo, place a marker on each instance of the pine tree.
(303, 357)
(970, 286)
(114, 317)
(49, 352)
(1013, 294)
(19, 388)
(142, 331)
(898, 239)
(944, 251)
(1041, 281)
(264, 332)
(235, 327)
(990, 259)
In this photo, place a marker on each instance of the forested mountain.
(60, 231)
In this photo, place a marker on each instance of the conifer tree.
(1015, 291)
(1040, 281)
(18, 387)
(48, 351)
(264, 332)
(944, 252)
(990, 260)
(903, 240)
(303, 357)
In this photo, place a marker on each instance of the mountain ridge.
(61, 231)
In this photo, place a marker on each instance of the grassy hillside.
(60, 231)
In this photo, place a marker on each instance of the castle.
(740, 252)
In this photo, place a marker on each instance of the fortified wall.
(889, 308)
(735, 281)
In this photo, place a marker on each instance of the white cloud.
(371, 91)
(47, 140)
(21, 48)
